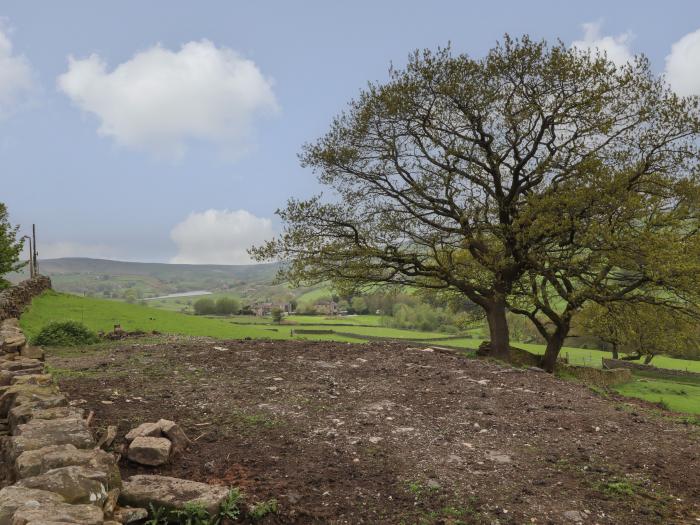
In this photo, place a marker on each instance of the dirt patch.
(378, 433)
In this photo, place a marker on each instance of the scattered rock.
(498, 457)
(144, 430)
(574, 515)
(175, 434)
(171, 493)
(151, 451)
(110, 434)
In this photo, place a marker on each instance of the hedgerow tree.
(434, 173)
(628, 240)
(643, 330)
(10, 247)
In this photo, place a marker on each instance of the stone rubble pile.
(154, 444)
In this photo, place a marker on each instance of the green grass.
(314, 295)
(678, 394)
(100, 314)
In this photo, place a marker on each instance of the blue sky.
(173, 133)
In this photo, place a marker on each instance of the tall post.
(34, 255)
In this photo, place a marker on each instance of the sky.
(169, 130)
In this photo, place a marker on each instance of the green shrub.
(65, 333)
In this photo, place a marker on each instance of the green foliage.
(262, 509)
(421, 317)
(512, 175)
(10, 247)
(230, 508)
(643, 329)
(65, 333)
(204, 306)
(227, 306)
(617, 488)
(277, 314)
(222, 306)
(192, 514)
(195, 514)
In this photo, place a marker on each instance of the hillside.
(136, 280)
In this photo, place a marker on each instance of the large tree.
(628, 240)
(10, 247)
(433, 174)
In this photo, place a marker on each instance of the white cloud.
(219, 237)
(160, 99)
(16, 76)
(683, 65)
(616, 47)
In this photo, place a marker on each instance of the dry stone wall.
(51, 469)
(50, 466)
(612, 364)
(14, 300)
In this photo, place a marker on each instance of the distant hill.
(68, 265)
(136, 280)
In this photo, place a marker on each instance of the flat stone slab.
(43, 433)
(36, 462)
(171, 493)
(77, 485)
(60, 513)
(22, 414)
(13, 498)
(151, 451)
(144, 430)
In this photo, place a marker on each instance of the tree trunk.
(615, 353)
(554, 344)
(648, 358)
(498, 329)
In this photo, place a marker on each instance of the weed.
(230, 508)
(193, 514)
(158, 516)
(617, 488)
(262, 509)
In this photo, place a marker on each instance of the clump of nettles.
(65, 333)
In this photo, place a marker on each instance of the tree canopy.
(10, 247)
(474, 177)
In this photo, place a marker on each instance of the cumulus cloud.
(683, 65)
(219, 237)
(617, 47)
(16, 76)
(160, 99)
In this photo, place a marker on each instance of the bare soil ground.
(378, 433)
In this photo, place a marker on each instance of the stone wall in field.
(51, 468)
(14, 300)
(595, 376)
(612, 364)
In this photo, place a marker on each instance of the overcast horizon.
(165, 132)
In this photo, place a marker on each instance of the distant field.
(99, 314)
(677, 393)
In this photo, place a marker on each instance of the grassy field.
(681, 394)
(678, 394)
(99, 314)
